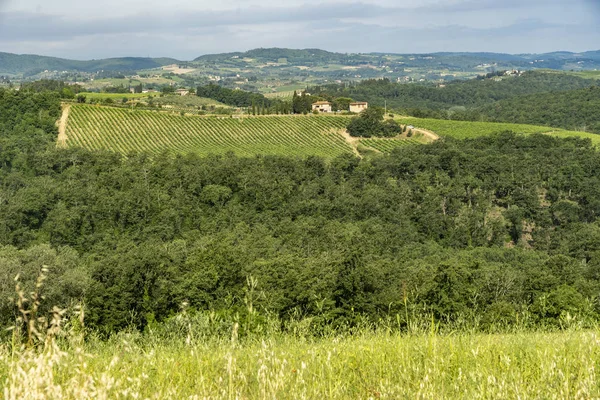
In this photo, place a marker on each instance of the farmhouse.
(182, 92)
(322, 106)
(358, 106)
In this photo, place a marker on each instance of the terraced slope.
(124, 131)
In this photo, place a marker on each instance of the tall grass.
(192, 358)
(368, 365)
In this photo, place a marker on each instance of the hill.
(471, 93)
(573, 109)
(28, 64)
(281, 55)
(124, 131)
(473, 129)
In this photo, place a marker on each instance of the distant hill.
(555, 60)
(367, 65)
(28, 64)
(471, 93)
(294, 56)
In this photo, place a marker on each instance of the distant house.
(182, 92)
(358, 106)
(322, 106)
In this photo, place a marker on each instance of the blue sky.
(185, 29)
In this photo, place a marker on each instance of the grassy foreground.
(368, 366)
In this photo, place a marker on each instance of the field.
(387, 145)
(188, 101)
(467, 129)
(118, 96)
(280, 95)
(360, 366)
(124, 131)
(102, 83)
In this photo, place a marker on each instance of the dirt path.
(428, 134)
(352, 141)
(62, 127)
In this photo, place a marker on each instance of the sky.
(186, 29)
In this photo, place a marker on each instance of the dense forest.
(553, 99)
(491, 229)
(573, 109)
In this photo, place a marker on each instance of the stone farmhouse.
(358, 106)
(325, 106)
(322, 106)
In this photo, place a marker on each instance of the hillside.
(452, 60)
(574, 109)
(470, 93)
(124, 131)
(474, 129)
(28, 64)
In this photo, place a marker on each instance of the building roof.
(322, 103)
(359, 103)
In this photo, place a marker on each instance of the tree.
(369, 123)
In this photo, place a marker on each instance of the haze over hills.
(29, 65)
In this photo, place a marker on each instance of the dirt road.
(62, 126)
(352, 141)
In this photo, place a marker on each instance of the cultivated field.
(467, 129)
(387, 145)
(124, 131)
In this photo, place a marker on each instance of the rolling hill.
(461, 62)
(124, 131)
(28, 64)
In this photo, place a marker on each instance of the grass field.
(361, 366)
(466, 129)
(122, 130)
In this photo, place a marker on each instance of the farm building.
(182, 92)
(322, 106)
(358, 106)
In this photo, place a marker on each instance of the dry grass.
(53, 360)
(534, 365)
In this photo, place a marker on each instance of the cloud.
(27, 25)
(475, 25)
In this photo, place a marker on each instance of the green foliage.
(465, 231)
(574, 110)
(471, 93)
(237, 98)
(370, 123)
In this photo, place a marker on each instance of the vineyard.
(467, 129)
(125, 131)
(387, 145)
